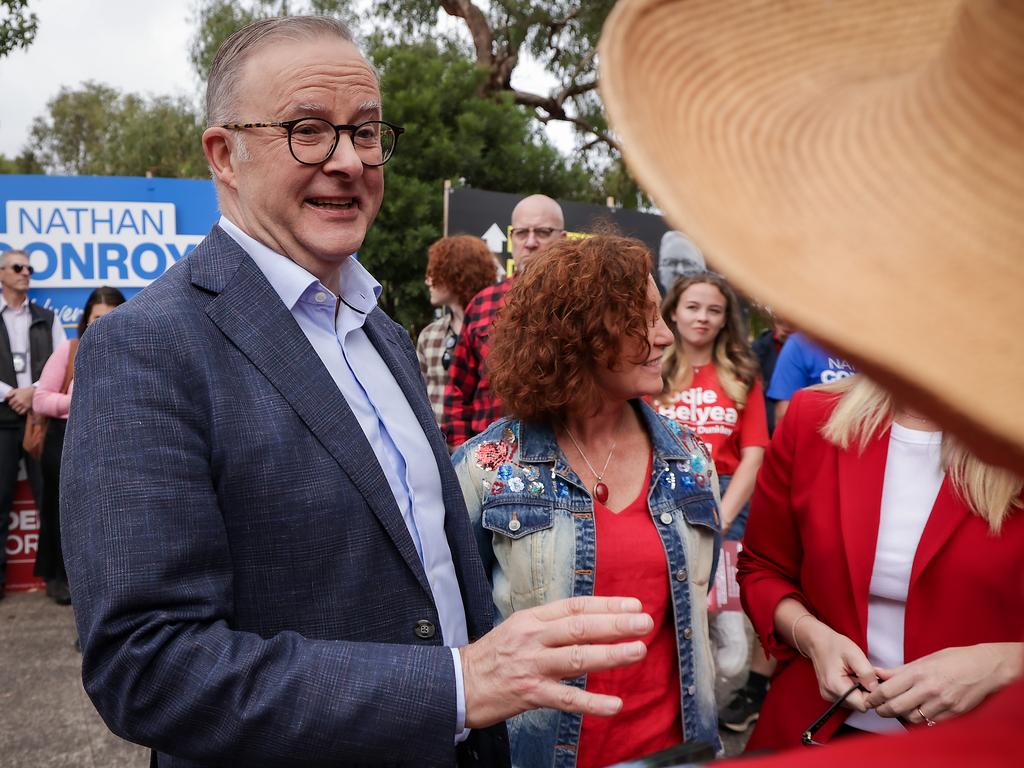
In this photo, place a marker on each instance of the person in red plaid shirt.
(458, 268)
(469, 406)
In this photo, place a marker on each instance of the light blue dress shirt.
(334, 328)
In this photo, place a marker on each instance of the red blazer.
(811, 535)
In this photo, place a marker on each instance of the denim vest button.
(681, 574)
(666, 518)
(691, 690)
(688, 633)
(514, 525)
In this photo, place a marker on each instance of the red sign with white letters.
(22, 541)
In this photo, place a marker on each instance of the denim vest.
(534, 522)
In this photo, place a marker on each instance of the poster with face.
(678, 257)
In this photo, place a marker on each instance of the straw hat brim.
(859, 166)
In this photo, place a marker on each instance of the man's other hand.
(20, 400)
(520, 664)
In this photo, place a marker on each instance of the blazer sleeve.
(769, 565)
(48, 400)
(151, 568)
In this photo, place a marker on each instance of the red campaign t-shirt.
(712, 414)
(631, 562)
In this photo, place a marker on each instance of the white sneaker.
(731, 646)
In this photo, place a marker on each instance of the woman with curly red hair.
(584, 490)
(458, 268)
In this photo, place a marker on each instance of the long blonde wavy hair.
(865, 409)
(734, 362)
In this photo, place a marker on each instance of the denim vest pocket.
(516, 518)
(700, 509)
(523, 540)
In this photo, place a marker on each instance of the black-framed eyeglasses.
(312, 140)
(807, 737)
(19, 268)
(449, 351)
(522, 234)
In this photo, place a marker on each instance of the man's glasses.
(449, 347)
(312, 140)
(19, 268)
(522, 234)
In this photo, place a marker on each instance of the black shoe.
(742, 710)
(61, 593)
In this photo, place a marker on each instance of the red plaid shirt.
(469, 405)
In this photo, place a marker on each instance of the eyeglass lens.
(312, 141)
(541, 233)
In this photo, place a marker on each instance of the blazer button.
(681, 574)
(687, 633)
(424, 629)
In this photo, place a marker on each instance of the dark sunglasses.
(19, 268)
(807, 737)
(446, 358)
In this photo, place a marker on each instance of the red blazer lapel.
(860, 500)
(947, 514)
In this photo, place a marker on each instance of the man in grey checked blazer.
(270, 558)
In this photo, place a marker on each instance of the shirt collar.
(4, 305)
(290, 281)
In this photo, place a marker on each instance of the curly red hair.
(463, 264)
(575, 308)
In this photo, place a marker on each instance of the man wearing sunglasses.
(28, 335)
(271, 558)
(469, 405)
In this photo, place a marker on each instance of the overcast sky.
(137, 46)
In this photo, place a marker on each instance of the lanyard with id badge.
(20, 362)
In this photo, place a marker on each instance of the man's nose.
(344, 159)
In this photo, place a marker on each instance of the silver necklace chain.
(600, 477)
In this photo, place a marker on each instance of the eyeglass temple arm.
(807, 737)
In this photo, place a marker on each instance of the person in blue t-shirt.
(802, 364)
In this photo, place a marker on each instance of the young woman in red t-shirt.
(711, 385)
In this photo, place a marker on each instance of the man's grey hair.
(13, 252)
(226, 72)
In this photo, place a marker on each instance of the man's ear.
(217, 145)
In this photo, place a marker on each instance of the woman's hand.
(838, 663)
(946, 683)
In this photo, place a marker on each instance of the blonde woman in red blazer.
(807, 567)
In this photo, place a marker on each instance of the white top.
(913, 476)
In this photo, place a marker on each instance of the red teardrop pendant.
(601, 492)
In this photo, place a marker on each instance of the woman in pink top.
(52, 398)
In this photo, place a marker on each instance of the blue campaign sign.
(85, 231)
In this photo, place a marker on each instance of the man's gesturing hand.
(519, 665)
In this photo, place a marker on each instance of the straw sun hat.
(857, 164)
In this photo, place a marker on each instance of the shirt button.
(687, 633)
(681, 574)
(320, 296)
(424, 629)
(666, 518)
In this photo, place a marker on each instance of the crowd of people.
(294, 537)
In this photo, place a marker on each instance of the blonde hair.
(865, 409)
(734, 362)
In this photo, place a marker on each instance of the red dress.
(631, 561)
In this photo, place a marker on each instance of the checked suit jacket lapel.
(251, 314)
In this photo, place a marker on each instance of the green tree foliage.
(18, 25)
(97, 130)
(491, 143)
(25, 162)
